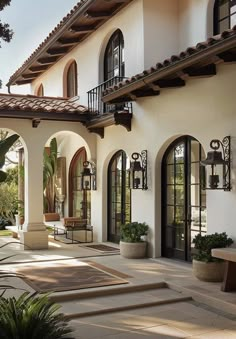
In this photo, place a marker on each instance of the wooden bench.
(229, 255)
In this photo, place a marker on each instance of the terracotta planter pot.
(133, 250)
(208, 271)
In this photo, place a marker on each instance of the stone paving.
(210, 314)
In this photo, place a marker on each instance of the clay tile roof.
(57, 28)
(16, 102)
(201, 47)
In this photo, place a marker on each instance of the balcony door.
(114, 64)
(119, 195)
(183, 200)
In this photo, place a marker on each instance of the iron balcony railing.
(96, 105)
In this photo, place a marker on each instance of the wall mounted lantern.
(138, 169)
(218, 165)
(88, 176)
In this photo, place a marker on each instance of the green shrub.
(4, 222)
(133, 231)
(203, 245)
(32, 317)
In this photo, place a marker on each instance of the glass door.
(119, 195)
(183, 200)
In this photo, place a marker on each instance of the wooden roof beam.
(82, 29)
(69, 41)
(169, 83)
(205, 71)
(58, 51)
(97, 14)
(31, 75)
(48, 60)
(38, 68)
(229, 56)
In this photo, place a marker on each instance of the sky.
(31, 21)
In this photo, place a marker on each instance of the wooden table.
(229, 255)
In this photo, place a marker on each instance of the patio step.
(90, 303)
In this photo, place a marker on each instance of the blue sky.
(31, 21)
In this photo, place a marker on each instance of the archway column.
(34, 234)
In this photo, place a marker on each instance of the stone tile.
(215, 335)
(89, 331)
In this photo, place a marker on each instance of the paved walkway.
(183, 307)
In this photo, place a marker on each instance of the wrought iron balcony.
(96, 105)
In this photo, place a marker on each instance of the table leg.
(229, 282)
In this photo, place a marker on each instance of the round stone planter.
(208, 271)
(133, 250)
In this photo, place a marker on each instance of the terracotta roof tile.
(175, 59)
(16, 102)
(57, 28)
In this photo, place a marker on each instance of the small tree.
(6, 33)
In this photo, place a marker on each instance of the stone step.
(97, 303)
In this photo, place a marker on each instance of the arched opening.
(183, 199)
(224, 15)
(114, 63)
(70, 80)
(40, 91)
(79, 200)
(119, 195)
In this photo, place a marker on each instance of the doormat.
(103, 248)
(71, 275)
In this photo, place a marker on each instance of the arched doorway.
(119, 195)
(183, 200)
(79, 200)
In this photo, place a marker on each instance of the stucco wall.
(160, 30)
(195, 22)
(89, 54)
(203, 109)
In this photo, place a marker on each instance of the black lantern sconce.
(218, 165)
(138, 169)
(88, 176)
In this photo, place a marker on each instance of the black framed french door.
(119, 195)
(183, 199)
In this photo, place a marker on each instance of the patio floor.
(148, 310)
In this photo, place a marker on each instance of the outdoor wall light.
(138, 169)
(218, 165)
(88, 176)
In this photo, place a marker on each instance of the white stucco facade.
(203, 109)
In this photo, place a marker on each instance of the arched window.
(224, 15)
(40, 91)
(119, 195)
(114, 64)
(80, 200)
(71, 81)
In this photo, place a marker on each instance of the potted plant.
(206, 267)
(132, 240)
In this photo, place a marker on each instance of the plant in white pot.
(206, 267)
(132, 240)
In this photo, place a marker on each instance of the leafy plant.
(133, 231)
(32, 316)
(205, 243)
(8, 196)
(5, 145)
(4, 222)
(49, 176)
